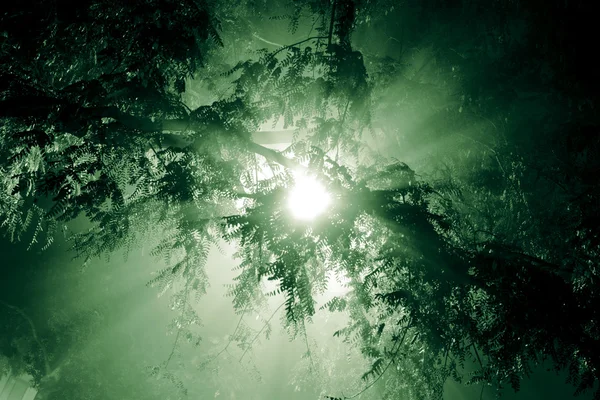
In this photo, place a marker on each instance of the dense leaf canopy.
(143, 120)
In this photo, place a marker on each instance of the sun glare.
(308, 198)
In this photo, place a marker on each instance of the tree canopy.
(144, 119)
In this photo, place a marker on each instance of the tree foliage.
(444, 271)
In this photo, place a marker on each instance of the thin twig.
(261, 329)
(446, 356)
(173, 348)
(312, 366)
(490, 148)
(312, 26)
(341, 127)
(296, 44)
(158, 157)
(396, 351)
(232, 337)
(477, 354)
(267, 41)
(180, 327)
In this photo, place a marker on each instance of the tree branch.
(187, 286)
(272, 155)
(395, 353)
(267, 41)
(330, 36)
(261, 329)
(296, 44)
(182, 125)
(477, 354)
(228, 343)
(130, 121)
(308, 352)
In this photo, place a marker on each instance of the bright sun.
(308, 198)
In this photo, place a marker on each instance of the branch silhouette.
(261, 329)
(393, 358)
(228, 343)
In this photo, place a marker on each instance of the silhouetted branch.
(312, 366)
(274, 156)
(261, 329)
(331, 20)
(229, 342)
(393, 358)
(296, 44)
(179, 328)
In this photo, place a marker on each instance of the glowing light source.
(308, 198)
